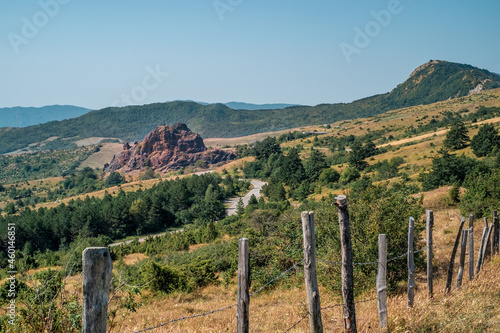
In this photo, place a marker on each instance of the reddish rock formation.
(167, 148)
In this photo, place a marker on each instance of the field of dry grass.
(103, 156)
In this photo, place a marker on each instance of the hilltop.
(432, 82)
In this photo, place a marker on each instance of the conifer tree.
(457, 137)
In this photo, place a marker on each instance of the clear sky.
(100, 53)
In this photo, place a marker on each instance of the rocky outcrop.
(167, 148)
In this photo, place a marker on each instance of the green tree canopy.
(457, 137)
(315, 164)
(485, 140)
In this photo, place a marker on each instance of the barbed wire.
(185, 318)
(276, 278)
(367, 263)
(224, 308)
(326, 308)
(298, 322)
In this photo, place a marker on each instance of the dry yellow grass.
(103, 156)
(133, 258)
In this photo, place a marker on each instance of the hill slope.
(431, 82)
(29, 116)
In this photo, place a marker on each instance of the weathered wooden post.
(463, 249)
(452, 259)
(97, 267)
(243, 303)
(411, 262)
(381, 282)
(487, 244)
(479, 262)
(347, 269)
(471, 247)
(496, 233)
(487, 249)
(429, 217)
(311, 281)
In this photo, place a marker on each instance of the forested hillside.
(435, 81)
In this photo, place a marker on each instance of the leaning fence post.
(471, 247)
(480, 252)
(496, 235)
(463, 249)
(97, 267)
(452, 259)
(411, 263)
(311, 281)
(381, 282)
(487, 249)
(487, 244)
(347, 269)
(429, 217)
(243, 304)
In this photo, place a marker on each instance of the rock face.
(167, 148)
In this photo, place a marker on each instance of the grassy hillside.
(430, 83)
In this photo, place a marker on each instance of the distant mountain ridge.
(28, 116)
(250, 106)
(429, 83)
(247, 106)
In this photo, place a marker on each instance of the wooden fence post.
(381, 282)
(471, 247)
(452, 259)
(311, 281)
(463, 249)
(429, 217)
(487, 244)
(487, 249)
(97, 267)
(347, 269)
(243, 303)
(411, 263)
(480, 252)
(496, 235)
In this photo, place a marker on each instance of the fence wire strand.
(326, 308)
(185, 318)
(224, 308)
(276, 278)
(368, 263)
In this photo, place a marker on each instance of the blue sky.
(101, 53)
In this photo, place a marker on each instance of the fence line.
(95, 288)
(277, 278)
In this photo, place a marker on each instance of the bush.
(349, 174)
(161, 278)
(482, 195)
